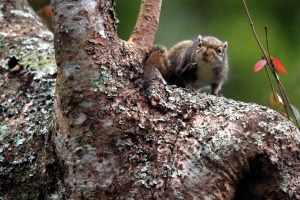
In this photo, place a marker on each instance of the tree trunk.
(111, 139)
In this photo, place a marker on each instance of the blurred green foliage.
(227, 20)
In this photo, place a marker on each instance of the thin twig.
(270, 63)
(276, 75)
(267, 40)
(270, 80)
(254, 32)
(289, 104)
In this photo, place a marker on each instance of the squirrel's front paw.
(189, 67)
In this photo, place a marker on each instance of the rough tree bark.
(28, 164)
(110, 139)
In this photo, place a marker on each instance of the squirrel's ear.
(225, 45)
(199, 38)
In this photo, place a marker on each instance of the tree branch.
(143, 34)
(28, 167)
(88, 54)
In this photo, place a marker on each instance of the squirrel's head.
(211, 49)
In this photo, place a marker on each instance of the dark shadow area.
(261, 182)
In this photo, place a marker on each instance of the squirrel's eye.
(199, 45)
(219, 51)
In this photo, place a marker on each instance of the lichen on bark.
(27, 161)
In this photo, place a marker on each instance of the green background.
(227, 20)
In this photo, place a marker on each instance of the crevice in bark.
(260, 182)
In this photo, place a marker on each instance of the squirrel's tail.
(156, 58)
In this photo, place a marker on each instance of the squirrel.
(196, 63)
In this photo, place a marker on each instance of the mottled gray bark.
(109, 138)
(28, 164)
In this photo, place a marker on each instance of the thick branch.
(28, 167)
(88, 52)
(146, 26)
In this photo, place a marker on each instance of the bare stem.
(288, 103)
(270, 80)
(272, 67)
(254, 32)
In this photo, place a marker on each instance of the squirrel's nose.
(205, 53)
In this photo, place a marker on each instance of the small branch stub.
(143, 34)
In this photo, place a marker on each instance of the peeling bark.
(112, 139)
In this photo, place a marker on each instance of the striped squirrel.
(196, 63)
